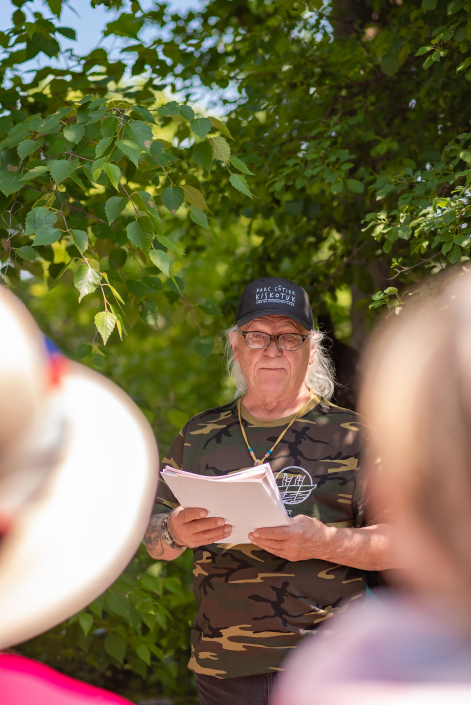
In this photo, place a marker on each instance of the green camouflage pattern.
(254, 607)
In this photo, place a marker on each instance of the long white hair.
(320, 375)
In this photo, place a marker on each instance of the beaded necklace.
(268, 453)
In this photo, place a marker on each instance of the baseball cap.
(275, 296)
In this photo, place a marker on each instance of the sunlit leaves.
(113, 172)
(198, 217)
(61, 169)
(221, 127)
(102, 146)
(201, 127)
(140, 133)
(130, 149)
(140, 232)
(86, 280)
(161, 260)
(195, 197)
(239, 164)
(172, 198)
(80, 240)
(203, 155)
(221, 149)
(38, 217)
(240, 183)
(105, 322)
(74, 133)
(114, 206)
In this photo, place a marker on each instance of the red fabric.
(27, 682)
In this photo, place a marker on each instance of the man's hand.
(189, 527)
(299, 542)
(366, 547)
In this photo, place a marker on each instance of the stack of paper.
(247, 500)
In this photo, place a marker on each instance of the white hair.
(320, 375)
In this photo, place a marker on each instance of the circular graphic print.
(294, 484)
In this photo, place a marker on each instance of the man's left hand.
(306, 538)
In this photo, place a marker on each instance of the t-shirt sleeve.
(165, 500)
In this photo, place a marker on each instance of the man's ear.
(234, 339)
(312, 354)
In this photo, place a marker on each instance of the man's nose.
(272, 349)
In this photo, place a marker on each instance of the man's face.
(271, 370)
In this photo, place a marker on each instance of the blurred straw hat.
(78, 474)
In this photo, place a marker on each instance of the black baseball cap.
(275, 296)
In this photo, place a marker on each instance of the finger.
(267, 543)
(279, 533)
(191, 514)
(199, 525)
(205, 537)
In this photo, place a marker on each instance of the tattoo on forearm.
(153, 538)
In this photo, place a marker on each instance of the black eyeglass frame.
(273, 337)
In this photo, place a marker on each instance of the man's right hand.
(191, 528)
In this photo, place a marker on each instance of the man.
(256, 601)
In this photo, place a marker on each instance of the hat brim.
(77, 537)
(274, 312)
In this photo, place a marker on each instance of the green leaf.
(114, 206)
(187, 112)
(86, 280)
(55, 7)
(150, 313)
(170, 109)
(221, 127)
(108, 126)
(203, 346)
(424, 50)
(355, 186)
(137, 288)
(130, 149)
(198, 217)
(203, 155)
(10, 182)
(143, 113)
(141, 233)
(428, 5)
(67, 32)
(195, 198)
(239, 164)
(210, 307)
(46, 235)
(149, 204)
(166, 242)
(37, 217)
(172, 198)
(85, 621)
(143, 652)
(389, 64)
(61, 169)
(102, 146)
(455, 254)
(80, 240)
(161, 260)
(27, 252)
(115, 646)
(113, 172)
(454, 6)
(105, 322)
(337, 186)
(404, 232)
(221, 149)
(140, 133)
(83, 350)
(74, 133)
(201, 127)
(27, 147)
(31, 174)
(240, 183)
(77, 180)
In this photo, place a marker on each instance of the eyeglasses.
(286, 341)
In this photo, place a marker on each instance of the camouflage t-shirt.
(254, 607)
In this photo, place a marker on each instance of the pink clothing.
(27, 682)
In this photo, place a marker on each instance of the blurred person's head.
(78, 472)
(417, 397)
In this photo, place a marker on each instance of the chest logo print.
(295, 484)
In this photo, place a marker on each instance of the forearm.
(156, 546)
(366, 548)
